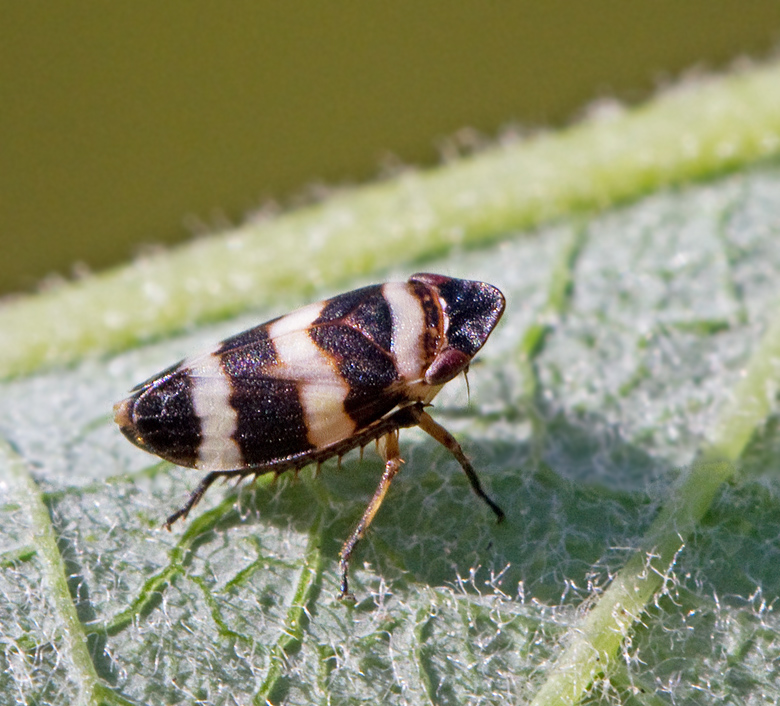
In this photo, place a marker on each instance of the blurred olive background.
(124, 124)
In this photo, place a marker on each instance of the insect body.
(316, 383)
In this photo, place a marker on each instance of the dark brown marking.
(255, 342)
(248, 361)
(364, 310)
(165, 422)
(432, 334)
(270, 423)
(361, 363)
(368, 370)
(373, 319)
(338, 307)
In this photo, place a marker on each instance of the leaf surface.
(634, 373)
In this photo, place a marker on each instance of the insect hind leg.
(438, 432)
(198, 493)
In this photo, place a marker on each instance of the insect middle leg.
(438, 432)
(393, 461)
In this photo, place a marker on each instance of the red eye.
(446, 366)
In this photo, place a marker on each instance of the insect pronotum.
(316, 383)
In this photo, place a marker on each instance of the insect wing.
(312, 378)
(280, 390)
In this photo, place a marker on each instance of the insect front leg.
(438, 432)
(392, 455)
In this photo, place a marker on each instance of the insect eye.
(446, 366)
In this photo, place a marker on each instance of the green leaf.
(623, 414)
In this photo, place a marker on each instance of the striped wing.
(284, 389)
(292, 387)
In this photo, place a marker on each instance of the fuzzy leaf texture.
(624, 415)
